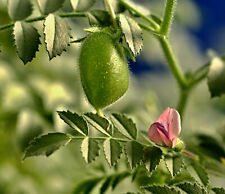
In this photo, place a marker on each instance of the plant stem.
(149, 20)
(64, 15)
(112, 13)
(145, 27)
(167, 18)
(174, 67)
(182, 101)
(187, 153)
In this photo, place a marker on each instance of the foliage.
(113, 136)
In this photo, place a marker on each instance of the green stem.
(183, 101)
(149, 20)
(64, 15)
(167, 18)
(112, 13)
(174, 67)
(147, 28)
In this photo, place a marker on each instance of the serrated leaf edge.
(36, 50)
(63, 50)
(38, 137)
(121, 151)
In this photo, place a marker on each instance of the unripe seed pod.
(103, 69)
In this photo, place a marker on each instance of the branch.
(64, 15)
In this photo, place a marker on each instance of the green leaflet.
(125, 125)
(49, 6)
(112, 150)
(99, 18)
(132, 33)
(56, 35)
(75, 121)
(161, 189)
(100, 123)
(89, 149)
(26, 40)
(201, 172)
(216, 78)
(46, 144)
(192, 188)
(19, 9)
(152, 158)
(82, 5)
(174, 164)
(134, 152)
(218, 190)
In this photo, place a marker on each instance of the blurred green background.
(30, 96)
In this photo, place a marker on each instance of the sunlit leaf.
(134, 152)
(19, 9)
(26, 40)
(82, 5)
(132, 33)
(57, 35)
(75, 121)
(49, 6)
(216, 77)
(46, 144)
(112, 150)
(89, 149)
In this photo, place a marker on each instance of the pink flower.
(166, 129)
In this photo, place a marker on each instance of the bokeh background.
(30, 96)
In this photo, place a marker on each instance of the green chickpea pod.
(103, 69)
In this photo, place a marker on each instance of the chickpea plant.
(113, 36)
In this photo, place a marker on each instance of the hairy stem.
(168, 16)
(112, 13)
(64, 15)
(149, 20)
(172, 62)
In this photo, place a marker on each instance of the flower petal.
(159, 135)
(163, 118)
(174, 127)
